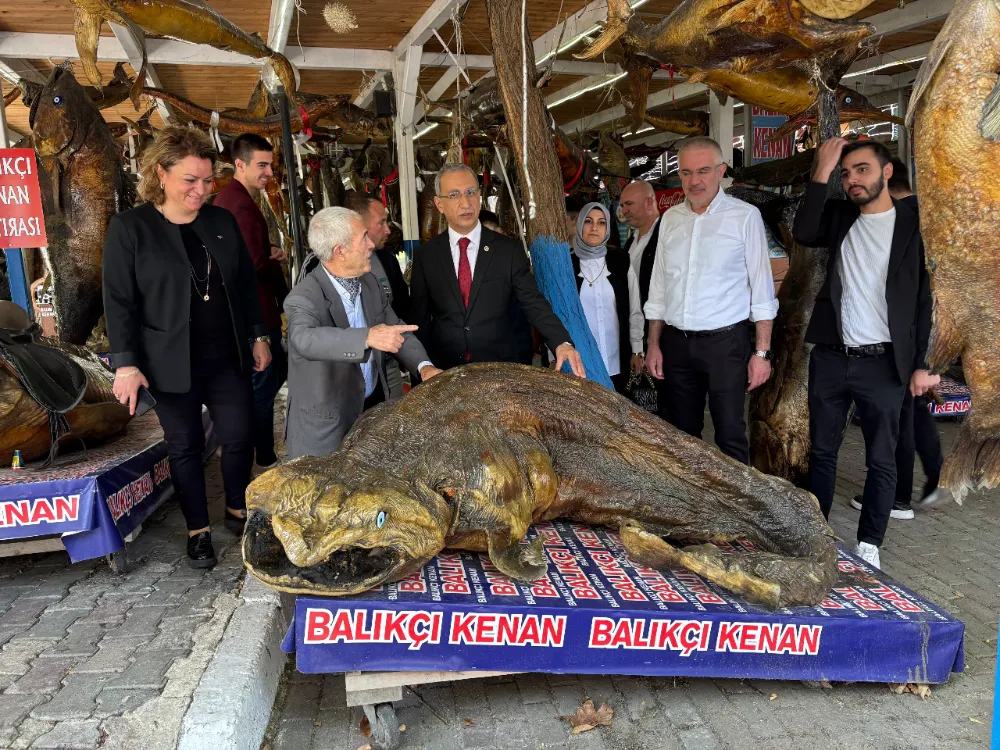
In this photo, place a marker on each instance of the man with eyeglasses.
(711, 278)
(472, 288)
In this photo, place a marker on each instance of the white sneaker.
(938, 497)
(856, 502)
(868, 553)
(905, 514)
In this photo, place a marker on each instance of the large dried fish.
(83, 185)
(337, 109)
(177, 19)
(955, 111)
(473, 457)
(745, 35)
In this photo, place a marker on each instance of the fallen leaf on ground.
(317, 723)
(366, 728)
(365, 747)
(959, 595)
(402, 727)
(587, 717)
(469, 722)
(773, 696)
(924, 691)
(973, 718)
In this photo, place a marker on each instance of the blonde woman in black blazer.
(180, 300)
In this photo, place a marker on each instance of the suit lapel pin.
(486, 248)
(219, 236)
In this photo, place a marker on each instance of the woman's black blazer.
(147, 291)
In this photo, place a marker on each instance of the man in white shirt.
(340, 328)
(639, 209)
(711, 275)
(471, 289)
(869, 326)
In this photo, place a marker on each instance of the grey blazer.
(326, 388)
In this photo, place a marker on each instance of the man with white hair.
(711, 279)
(340, 327)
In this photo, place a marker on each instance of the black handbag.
(642, 391)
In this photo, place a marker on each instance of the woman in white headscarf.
(609, 293)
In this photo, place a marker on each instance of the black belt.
(868, 350)
(714, 332)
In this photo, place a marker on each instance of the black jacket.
(147, 291)
(618, 266)
(492, 329)
(646, 262)
(397, 284)
(825, 223)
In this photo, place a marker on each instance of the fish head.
(335, 527)
(60, 113)
(855, 106)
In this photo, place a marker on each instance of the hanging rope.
(506, 182)
(524, 109)
(213, 131)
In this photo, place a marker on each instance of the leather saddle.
(50, 376)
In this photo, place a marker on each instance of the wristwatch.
(263, 340)
(767, 356)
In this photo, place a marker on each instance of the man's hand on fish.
(261, 356)
(429, 371)
(828, 159)
(568, 353)
(128, 380)
(758, 371)
(922, 381)
(387, 338)
(278, 254)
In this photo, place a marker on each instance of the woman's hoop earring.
(161, 186)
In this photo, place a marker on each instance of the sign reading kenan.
(40, 510)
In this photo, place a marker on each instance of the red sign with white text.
(21, 220)
(669, 197)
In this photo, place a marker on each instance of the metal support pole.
(720, 124)
(288, 149)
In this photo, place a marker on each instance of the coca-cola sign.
(669, 197)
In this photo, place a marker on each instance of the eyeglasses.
(701, 172)
(454, 195)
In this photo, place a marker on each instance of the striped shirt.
(864, 267)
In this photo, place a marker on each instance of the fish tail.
(286, 74)
(619, 13)
(87, 30)
(974, 461)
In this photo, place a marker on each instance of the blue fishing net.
(554, 276)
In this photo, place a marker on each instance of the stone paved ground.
(949, 556)
(94, 659)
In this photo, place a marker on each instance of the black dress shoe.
(201, 553)
(235, 524)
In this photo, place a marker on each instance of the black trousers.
(229, 398)
(716, 366)
(918, 434)
(872, 383)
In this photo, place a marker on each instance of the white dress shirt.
(602, 314)
(638, 247)
(472, 251)
(864, 266)
(712, 269)
(356, 317)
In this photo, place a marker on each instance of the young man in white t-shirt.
(870, 324)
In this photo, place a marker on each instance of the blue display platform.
(597, 612)
(92, 502)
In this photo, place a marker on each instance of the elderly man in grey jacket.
(340, 328)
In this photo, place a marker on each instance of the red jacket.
(271, 286)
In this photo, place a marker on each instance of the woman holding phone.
(180, 301)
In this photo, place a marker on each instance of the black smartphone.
(144, 401)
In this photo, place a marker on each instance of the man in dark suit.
(468, 283)
(638, 202)
(340, 328)
(377, 222)
(870, 324)
(252, 160)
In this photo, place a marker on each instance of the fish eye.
(57, 99)
(847, 100)
(380, 520)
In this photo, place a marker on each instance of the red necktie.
(464, 276)
(464, 269)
